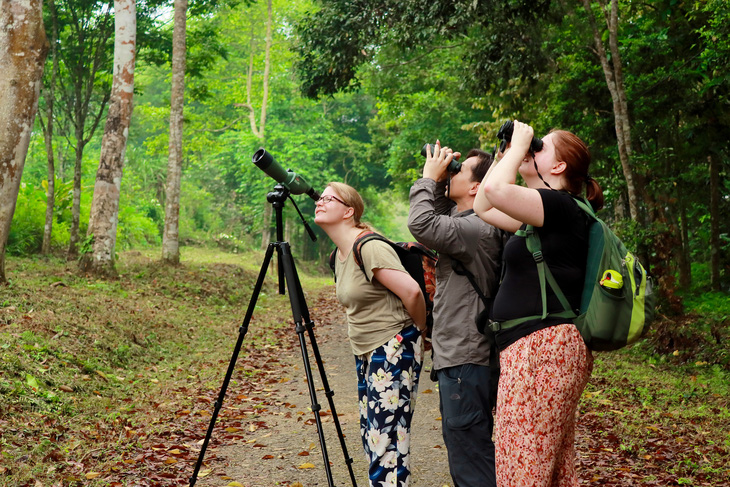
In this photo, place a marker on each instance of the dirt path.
(288, 451)
(270, 436)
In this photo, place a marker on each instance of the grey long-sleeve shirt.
(434, 221)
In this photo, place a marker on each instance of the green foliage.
(714, 305)
(452, 71)
(339, 37)
(387, 213)
(407, 120)
(425, 72)
(26, 230)
(197, 221)
(87, 244)
(135, 230)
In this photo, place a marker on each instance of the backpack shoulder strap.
(333, 255)
(357, 250)
(543, 271)
(361, 240)
(459, 268)
(546, 279)
(585, 205)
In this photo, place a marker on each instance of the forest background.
(379, 82)
(350, 91)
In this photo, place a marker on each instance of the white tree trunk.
(260, 133)
(105, 204)
(170, 237)
(23, 50)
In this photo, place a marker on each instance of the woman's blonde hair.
(352, 198)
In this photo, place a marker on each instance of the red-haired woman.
(545, 364)
(386, 313)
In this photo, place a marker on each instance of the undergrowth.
(92, 371)
(84, 362)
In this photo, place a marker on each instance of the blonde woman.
(386, 314)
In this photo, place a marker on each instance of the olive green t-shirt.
(374, 313)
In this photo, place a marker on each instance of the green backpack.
(618, 296)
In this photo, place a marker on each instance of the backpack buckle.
(538, 256)
(495, 326)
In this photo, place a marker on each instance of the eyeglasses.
(328, 197)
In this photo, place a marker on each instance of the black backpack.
(417, 259)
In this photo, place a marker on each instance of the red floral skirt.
(542, 378)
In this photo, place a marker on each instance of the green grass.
(657, 412)
(85, 361)
(93, 372)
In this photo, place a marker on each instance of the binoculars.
(454, 165)
(505, 135)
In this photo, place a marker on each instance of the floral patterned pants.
(542, 378)
(387, 383)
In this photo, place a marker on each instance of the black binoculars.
(505, 135)
(454, 165)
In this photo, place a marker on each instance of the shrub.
(26, 229)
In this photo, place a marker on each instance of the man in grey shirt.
(445, 222)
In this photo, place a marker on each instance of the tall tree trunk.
(614, 80)
(714, 222)
(73, 241)
(105, 205)
(170, 242)
(23, 51)
(48, 134)
(684, 258)
(83, 67)
(260, 132)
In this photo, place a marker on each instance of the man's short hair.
(484, 161)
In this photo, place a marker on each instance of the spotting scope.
(289, 179)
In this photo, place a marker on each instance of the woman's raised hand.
(521, 137)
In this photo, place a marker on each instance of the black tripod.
(300, 312)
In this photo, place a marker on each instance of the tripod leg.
(241, 335)
(329, 393)
(298, 305)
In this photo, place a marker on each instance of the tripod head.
(278, 196)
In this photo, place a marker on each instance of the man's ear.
(474, 188)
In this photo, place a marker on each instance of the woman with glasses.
(386, 314)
